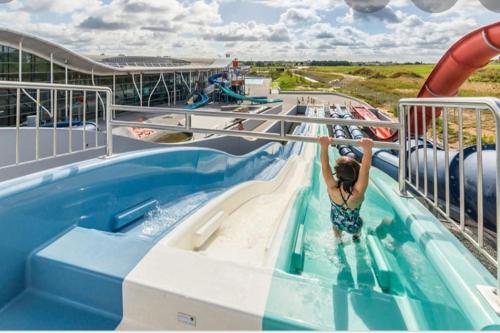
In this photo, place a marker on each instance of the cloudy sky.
(250, 29)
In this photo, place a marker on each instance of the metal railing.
(452, 209)
(188, 126)
(409, 169)
(111, 122)
(54, 89)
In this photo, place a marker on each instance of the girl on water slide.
(346, 187)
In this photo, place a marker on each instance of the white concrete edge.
(170, 281)
(182, 236)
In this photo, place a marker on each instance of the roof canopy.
(65, 57)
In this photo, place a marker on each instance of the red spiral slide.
(469, 54)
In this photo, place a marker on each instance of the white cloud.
(322, 29)
(248, 32)
(294, 16)
(54, 6)
(311, 4)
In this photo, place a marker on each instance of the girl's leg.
(356, 236)
(337, 232)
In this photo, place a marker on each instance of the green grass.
(386, 70)
(384, 86)
(288, 81)
(489, 74)
(324, 77)
(381, 86)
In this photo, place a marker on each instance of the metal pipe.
(424, 124)
(46, 158)
(461, 167)
(114, 89)
(84, 140)
(462, 104)
(37, 124)
(136, 88)
(455, 102)
(52, 86)
(18, 123)
(402, 151)
(66, 92)
(34, 101)
(152, 91)
(109, 128)
(417, 152)
(54, 126)
(70, 133)
(446, 161)
(480, 222)
(114, 92)
(434, 151)
(183, 80)
(258, 135)
(51, 82)
(51, 68)
(166, 88)
(175, 89)
(409, 148)
(497, 122)
(54, 112)
(224, 114)
(97, 118)
(140, 85)
(20, 54)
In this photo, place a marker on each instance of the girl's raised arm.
(366, 163)
(326, 169)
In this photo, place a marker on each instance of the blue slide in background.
(202, 100)
(215, 79)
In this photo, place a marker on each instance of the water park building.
(143, 81)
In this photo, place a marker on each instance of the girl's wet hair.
(347, 172)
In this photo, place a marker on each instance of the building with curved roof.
(135, 80)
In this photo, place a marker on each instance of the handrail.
(409, 109)
(282, 119)
(228, 114)
(456, 102)
(36, 102)
(237, 133)
(51, 87)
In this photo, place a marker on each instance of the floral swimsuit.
(345, 218)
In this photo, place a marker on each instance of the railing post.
(37, 124)
(497, 121)
(84, 139)
(18, 124)
(402, 150)
(109, 128)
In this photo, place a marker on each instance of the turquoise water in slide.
(336, 286)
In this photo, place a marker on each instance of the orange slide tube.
(361, 112)
(466, 56)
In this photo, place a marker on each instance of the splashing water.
(163, 218)
(157, 221)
